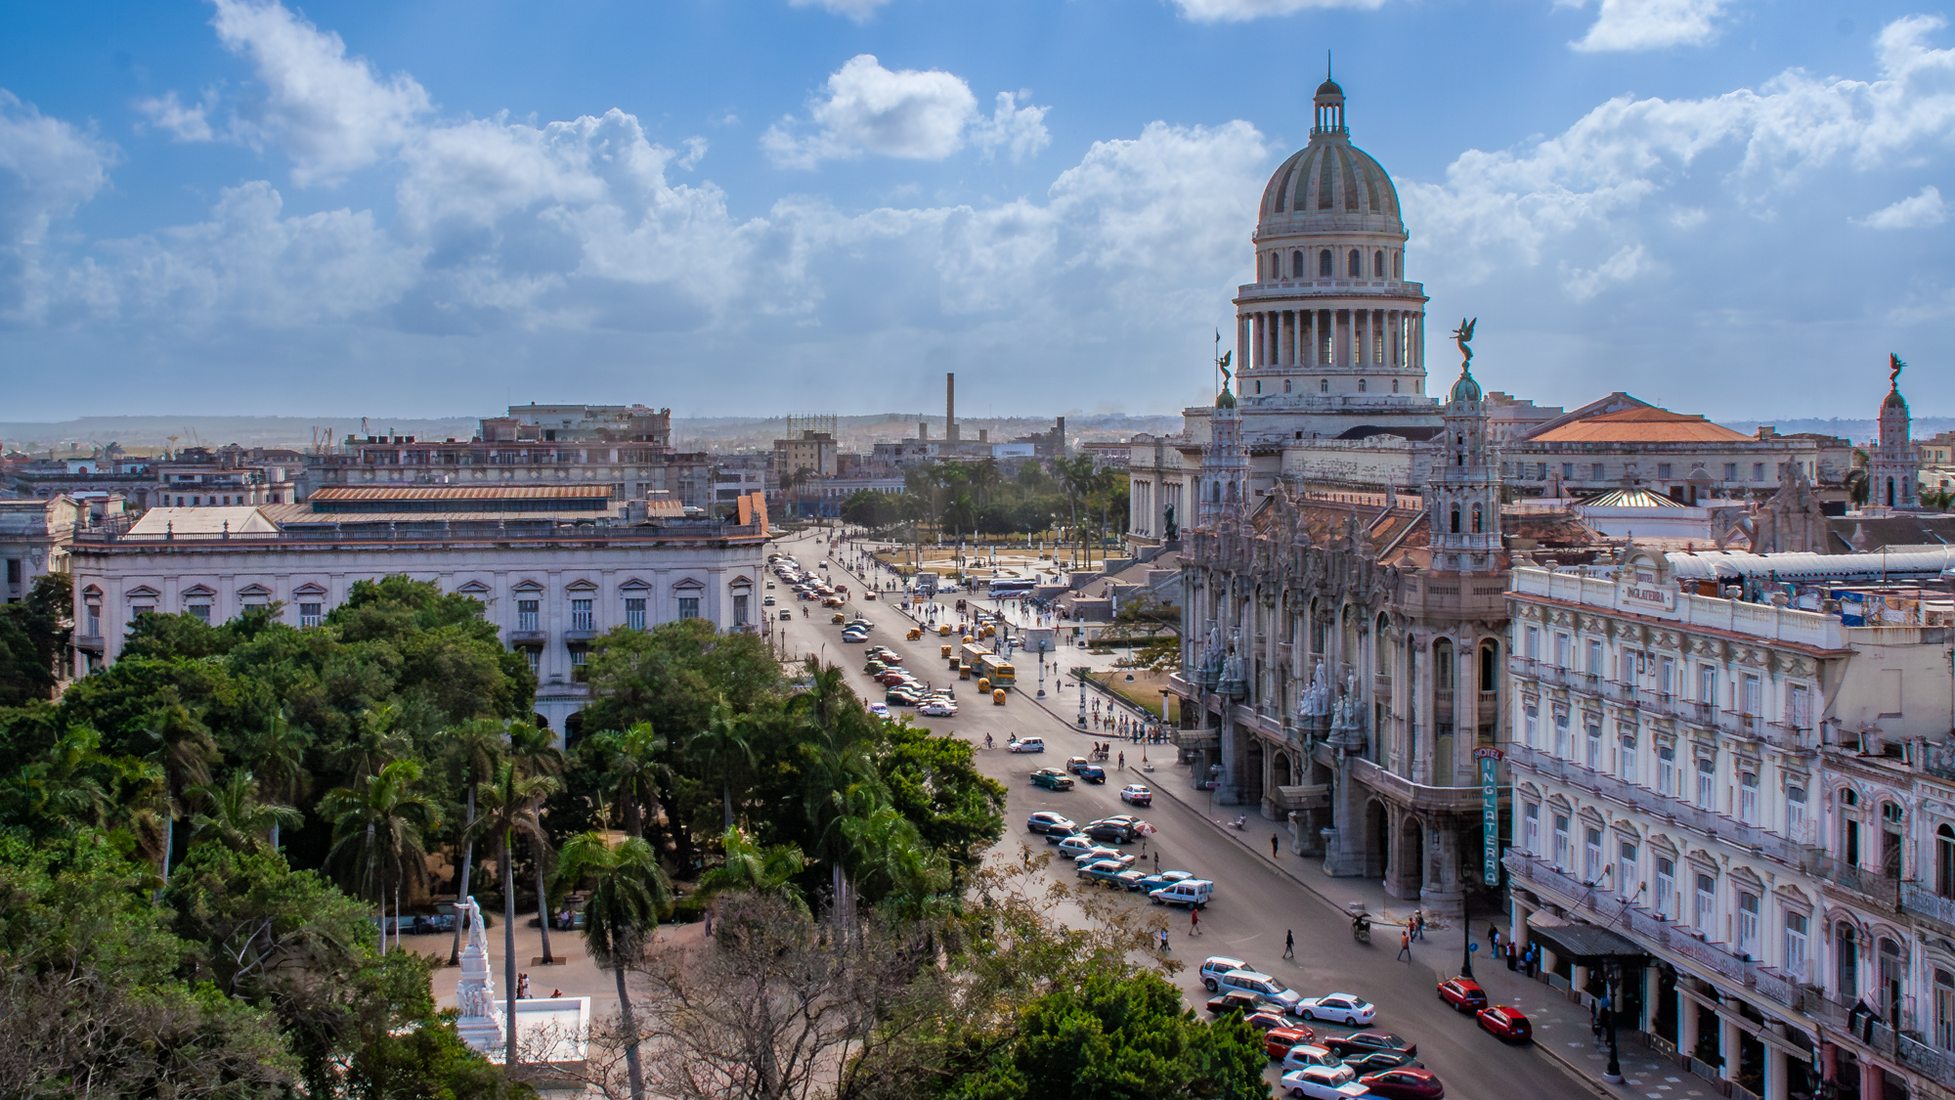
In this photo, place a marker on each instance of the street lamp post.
(1082, 698)
(1611, 988)
(1467, 946)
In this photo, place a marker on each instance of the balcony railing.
(1421, 795)
(1865, 881)
(1919, 900)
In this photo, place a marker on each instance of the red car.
(1505, 1022)
(1278, 1041)
(1464, 994)
(1404, 1083)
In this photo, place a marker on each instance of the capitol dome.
(1330, 184)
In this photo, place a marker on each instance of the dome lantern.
(1330, 106)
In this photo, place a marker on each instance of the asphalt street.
(1253, 904)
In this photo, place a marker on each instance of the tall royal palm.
(634, 772)
(724, 747)
(233, 813)
(628, 892)
(378, 828)
(275, 753)
(751, 868)
(182, 746)
(534, 750)
(473, 751)
(506, 809)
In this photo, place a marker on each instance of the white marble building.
(1746, 808)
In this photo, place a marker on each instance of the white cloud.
(857, 10)
(184, 123)
(330, 113)
(911, 114)
(1922, 210)
(1238, 11)
(1627, 263)
(48, 169)
(1019, 131)
(1651, 25)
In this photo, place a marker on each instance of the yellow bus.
(998, 671)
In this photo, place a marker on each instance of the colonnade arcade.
(1339, 338)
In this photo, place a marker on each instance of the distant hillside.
(722, 433)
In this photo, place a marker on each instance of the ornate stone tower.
(1895, 466)
(1463, 486)
(1225, 470)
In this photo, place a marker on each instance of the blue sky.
(1737, 207)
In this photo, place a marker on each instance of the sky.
(1735, 207)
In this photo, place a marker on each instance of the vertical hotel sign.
(1489, 759)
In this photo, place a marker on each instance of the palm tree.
(507, 806)
(233, 816)
(751, 868)
(724, 746)
(275, 753)
(628, 892)
(378, 826)
(473, 751)
(634, 771)
(534, 750)
(378, 741)
(182, 746)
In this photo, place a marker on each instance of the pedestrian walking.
(1289, 943)
(1419, 917)
(1123, 761)
(1493, 935)
(1194, 921)
(1272, 845)
(1157, 860)
(1512, 962)
(1405, 947)
(1163, 933)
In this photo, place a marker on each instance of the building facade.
(1731, 811)
(552, 574)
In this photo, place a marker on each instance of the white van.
(1192, 892)
(1262, 985)
(1214, 966)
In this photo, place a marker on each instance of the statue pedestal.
(481, 1023)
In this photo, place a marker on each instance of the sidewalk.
(1561, 1025)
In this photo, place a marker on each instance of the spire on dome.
(1330, 106)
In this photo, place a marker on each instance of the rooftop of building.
(1643, 424)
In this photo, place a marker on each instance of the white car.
(937, 708)
(1136, 794)
(1323, 1083)
(880, 710)
(1305, 1055)
(1028, 744)
(1339, 1008)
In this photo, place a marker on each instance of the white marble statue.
(475, 993)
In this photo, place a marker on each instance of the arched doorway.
(1408, 858)
(1377, 838)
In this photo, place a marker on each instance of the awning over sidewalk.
(1581, 943)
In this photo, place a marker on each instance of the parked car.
(1376, 1060)
(1135, 794)
(1028, 744)
(1096, 853)
(1269, 988)
(1404, 1083)
(1505, 1022)
(1119, 832)
(1234, 1001)
(1312, 1054)
(1361, 1041)
(1267, 1020)
(1160, 879)
(1075, 846)
(902, 697)
(1215, 966)
(1104, 870)
(1339, 1008)
(1052, 779)
(1195, 893)
(880, 710)
(1278, 1041)
(1046, 822)
(938, 708)
(1130, 879)
(1464, 994)
(1321, 1083)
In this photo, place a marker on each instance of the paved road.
(1253, 904)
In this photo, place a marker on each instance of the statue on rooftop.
(1894, 369)
(1464, 336)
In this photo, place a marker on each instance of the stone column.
(1466, 705)
(1517, 913)
(1578, 978)
(1344, 852)
(1418, 747)
(1441, 891)
(1873, 1082)
(1686, 1022)
(1728, 1035)
(1778, 1073)
(1241, 339)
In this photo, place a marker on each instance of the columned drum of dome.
(1331, 324)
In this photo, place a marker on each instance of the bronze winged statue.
(1894, 369)
(1464, 335)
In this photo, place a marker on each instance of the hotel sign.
(1642, 587)
(1489, 759)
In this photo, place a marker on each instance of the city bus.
(1007, 587)
(997, 670)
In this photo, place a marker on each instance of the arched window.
(1378, 264)
(1323, 264)
(1323, 385)
(1478, 519)
(1394, 385)
(1286, 385)
(1945, 861)
(1455, 519)
(1361, 385)
(1296, 264)
(1353, 265)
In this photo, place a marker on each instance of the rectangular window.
(1707, 684)
(1706, 914)
(1666, 888)
(1594, 659)
(1592, 747)
(1799, 701)
(1628, 666)
(311, 614)
(535, 658)
(1561, 849)
(1751, 697)
(94, 629)
(1758, 471)
(199, 611)
(1626, 759)
(1795, 813)
(1663, 471)
(1794, 963)
(1561, 736)
(1531, 828)
(527, 615)
(1626, 875)
(578, 656)
(137, 611)
(1706, 783)
(1730, 471)
(635, 612)
(1530, 726)
(1592, 855)
(1666, 763)
(688, 607)
(1564, 651)
(1747, 923)
(1532, 647)
(1666, 676)
(1568, 470)
(1595, 471)
(1748, 797)
(580, 615)
(740, 609)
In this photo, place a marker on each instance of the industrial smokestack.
(950, 406)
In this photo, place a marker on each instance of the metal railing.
(1919, 900)
(1421, 795)
(1866, 881)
